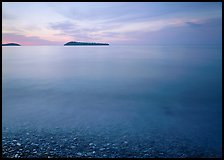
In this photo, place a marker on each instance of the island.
(11, 44)
(84, 44)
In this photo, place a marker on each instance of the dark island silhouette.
(84, 44)
(11, 44)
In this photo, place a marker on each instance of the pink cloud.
(26, 40)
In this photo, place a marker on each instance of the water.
(173, 92)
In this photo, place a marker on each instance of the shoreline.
(57, 143)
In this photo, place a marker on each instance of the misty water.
(167, 97)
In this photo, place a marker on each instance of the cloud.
(8, 16)
(79, 32)
(206, 32)
(92, 30)
(62, 25)
(26, 40)
(193, 24)
(156, 30)
(67, 28)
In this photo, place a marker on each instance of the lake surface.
(165, 94)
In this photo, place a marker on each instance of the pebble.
(183, 156)
(79, 154)
(145, 151)
(18, 144)
(101, 149)
(94, 149)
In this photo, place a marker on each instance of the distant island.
(11, 44)
(84, 44)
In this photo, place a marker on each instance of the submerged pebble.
(16, 156)
(41, 146)
(102, 149)
(18, 144)
(79, 154)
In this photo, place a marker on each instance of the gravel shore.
(59, 143)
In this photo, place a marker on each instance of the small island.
(84, 44)
(11, 44)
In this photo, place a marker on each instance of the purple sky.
(48, 23)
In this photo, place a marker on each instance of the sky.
(56, 23)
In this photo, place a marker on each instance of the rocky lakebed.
(64, 143)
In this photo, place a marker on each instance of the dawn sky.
(55, 23)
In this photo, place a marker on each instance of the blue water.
(141, 90)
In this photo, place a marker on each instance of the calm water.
(167, 90)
